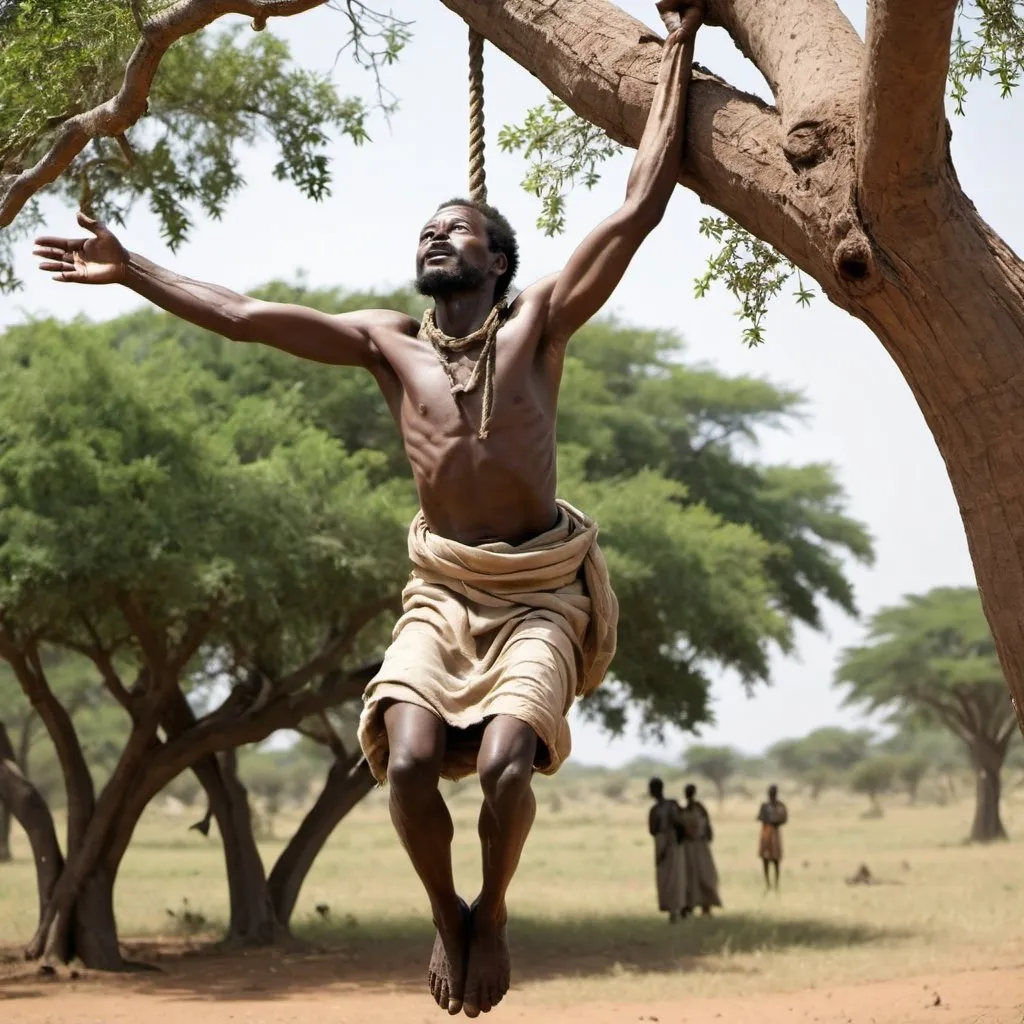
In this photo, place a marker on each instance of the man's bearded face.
(454, 254)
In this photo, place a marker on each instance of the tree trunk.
(253, 921)
(344, 788)
(987, 759)
(26, 804)
(94, 936)
(5, 833)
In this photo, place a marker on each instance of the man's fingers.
(53, 241)
(55, 267)
(49, 252)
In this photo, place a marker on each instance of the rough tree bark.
(850, 177)
(348, 781)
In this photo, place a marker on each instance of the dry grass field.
(588, 943)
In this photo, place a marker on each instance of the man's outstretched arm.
(341, 339)
(596, 267)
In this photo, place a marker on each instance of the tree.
(933, 657)
(147, 519)
(847, 178)
(821, 758)
(716, 764)
(920, 749)
(910, 770)
(872, 777)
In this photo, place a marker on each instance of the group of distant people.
(687, 878)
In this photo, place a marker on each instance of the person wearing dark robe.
(664, 823)
(701, 873)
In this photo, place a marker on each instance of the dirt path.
(229, 996)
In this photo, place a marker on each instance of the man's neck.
(461, 314)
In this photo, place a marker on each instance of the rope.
(445, 347)
(477, 174)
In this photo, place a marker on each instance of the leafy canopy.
(932, 657)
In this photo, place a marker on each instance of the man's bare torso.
(476, 490)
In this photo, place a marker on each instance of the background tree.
(874, 776)
(147, 518)
(716, 764)
(910, 770)
(823, 757)
(933, 656)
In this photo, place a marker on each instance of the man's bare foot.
(446, 974)
(489, 969)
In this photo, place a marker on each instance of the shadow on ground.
(392, 954)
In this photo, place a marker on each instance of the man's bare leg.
(505, 766)
(416, 746)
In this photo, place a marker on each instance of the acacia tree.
(140, 529)
(716, 764)
(822, 757)
(848, 176)
(872, 777)
(933, 658)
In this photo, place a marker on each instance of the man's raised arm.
(341, 339)
(596, 267)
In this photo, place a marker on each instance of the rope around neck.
(446, 346)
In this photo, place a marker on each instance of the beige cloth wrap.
(497, 629)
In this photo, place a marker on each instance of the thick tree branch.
(604, 65)
(807, 50)
(118, 114)
(901, 133)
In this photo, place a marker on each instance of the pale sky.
(862, 417)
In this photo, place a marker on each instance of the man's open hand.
(684, 15)
(98, 260)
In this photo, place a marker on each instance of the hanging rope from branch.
(477, 174)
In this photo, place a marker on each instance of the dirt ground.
(271, 989)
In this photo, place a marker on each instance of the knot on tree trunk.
(807, 144)
(854, 262)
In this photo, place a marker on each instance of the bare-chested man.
(772, 815)
(508, 615)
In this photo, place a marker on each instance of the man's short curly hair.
(501, 237)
